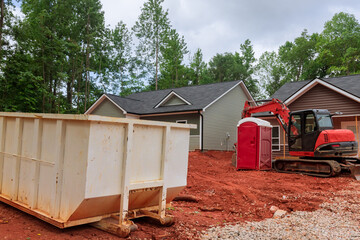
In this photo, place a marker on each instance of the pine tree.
(151, 29)
(197, 68)
(172, 67)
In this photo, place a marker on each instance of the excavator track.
(317, 168)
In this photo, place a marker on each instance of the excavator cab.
(304, 129)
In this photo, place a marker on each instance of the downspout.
(202, 131)
(357, 133)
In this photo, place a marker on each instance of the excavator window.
(324, 121)
(295, 125)
(295, 141)
(310, 123)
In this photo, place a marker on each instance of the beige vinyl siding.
(194, 142)
(221, 118)
(192, 118)
(107, 108)
(321, 97)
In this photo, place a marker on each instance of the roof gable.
(100, 100)
(348, 86)
(314, 83)
(322, 97)
(172, 99)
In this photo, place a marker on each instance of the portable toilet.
(253, 144)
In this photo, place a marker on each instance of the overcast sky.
(218, 26)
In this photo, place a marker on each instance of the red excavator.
(320, 150)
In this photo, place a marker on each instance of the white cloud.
(221, 26)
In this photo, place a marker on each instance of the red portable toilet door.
(265, 148)
(246, 152)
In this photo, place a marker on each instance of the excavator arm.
(277, 107)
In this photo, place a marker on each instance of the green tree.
(238, 66)
(61, 44)
(151, 29)
(197, 70)
(172, 67)
(6, 21)
(221, 66)
(299, 57)
(339, 45)
(120, 56)
(245, 66)
(20, 90)
(94, 26)
(271, 73)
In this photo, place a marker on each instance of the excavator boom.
(277, 107)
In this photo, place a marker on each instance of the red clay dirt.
(225, 196)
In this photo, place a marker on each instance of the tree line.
(59, 57)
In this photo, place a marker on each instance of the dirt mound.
(225, 196)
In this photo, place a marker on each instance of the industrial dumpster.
(75, 169)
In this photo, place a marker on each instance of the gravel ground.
(339, 218)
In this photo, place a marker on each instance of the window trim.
(272, 137)
(181, 121)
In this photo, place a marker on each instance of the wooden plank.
(59, 166)
(125, 178)
(37, 155)
(2, 147)
(18, 141)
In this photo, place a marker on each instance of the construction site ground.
(226, 196)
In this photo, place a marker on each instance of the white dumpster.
(76, 169)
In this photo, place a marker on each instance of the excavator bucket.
(355, 171)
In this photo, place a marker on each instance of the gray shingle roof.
(199, 96)
(288, 89)
(350, 84)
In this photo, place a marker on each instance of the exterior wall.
(194, 142)
(221, 118)
(192, 118)
(320, 97)
(107, 108)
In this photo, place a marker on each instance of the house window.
(181, 121)
(351, 126)
(275, 138)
